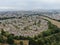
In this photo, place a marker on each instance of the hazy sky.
(29, 4)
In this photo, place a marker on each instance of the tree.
(10, 39)
(21, 43)
(2, 32)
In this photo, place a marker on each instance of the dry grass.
(3, 44)
(53, 21)
(25, 42)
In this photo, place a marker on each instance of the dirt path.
(52, 21)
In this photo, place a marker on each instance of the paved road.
(52, 21)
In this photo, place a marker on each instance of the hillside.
(52, 21)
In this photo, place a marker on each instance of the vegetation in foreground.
(49, 37)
